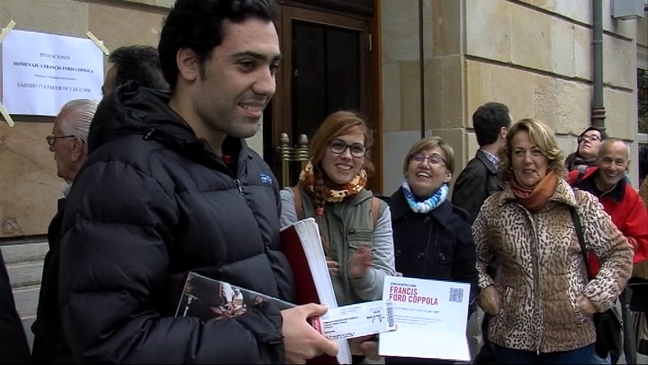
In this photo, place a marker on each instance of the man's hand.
(301, 341)
(489, 300)
(585, 306)
(365, 346)
(360, 261)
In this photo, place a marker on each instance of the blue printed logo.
(265, 179)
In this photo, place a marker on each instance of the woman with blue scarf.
(432, 238)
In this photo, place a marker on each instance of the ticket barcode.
(390, 314)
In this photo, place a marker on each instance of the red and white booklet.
(302, 245)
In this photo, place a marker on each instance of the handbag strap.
(581, 239)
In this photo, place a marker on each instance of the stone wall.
(535, 56)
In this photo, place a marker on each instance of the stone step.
(14, 254)
(26, 299)
(25, 273)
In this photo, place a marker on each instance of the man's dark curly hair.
(139, 63)
(198, 25)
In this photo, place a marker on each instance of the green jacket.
(346, 225)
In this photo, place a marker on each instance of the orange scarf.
(333, 194)
(535, 199)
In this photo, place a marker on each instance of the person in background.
(69, 144)
(137, 63)
(476, 182)
(540, 298)
(589, 143)
(14, 348)
(643, 192)
(607, 181)
(355, 226)
(432, 238)
(171, 187)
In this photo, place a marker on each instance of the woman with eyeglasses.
(432, 238)
(355, 226)
(589, 143)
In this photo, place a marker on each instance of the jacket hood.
(133, 109)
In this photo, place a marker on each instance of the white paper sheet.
(431, 318)
(41, 72)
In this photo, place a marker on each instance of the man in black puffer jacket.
(169, 187)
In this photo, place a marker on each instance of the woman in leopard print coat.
(540, 298)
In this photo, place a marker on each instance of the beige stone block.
(562, 48)
(578, 10)
(531, 39)
(513, 88)
(29, 187)
(478, 87)
(65, 17)
(642, 31)
(620, 113)
(410, 102)
(158, 3)
(122, 26)
(486, 83)
(582, 53)
(400, 30)
(471, 145)
(565, 105)
(447, 18)
(619, 59)
(488, 29)
(434, 92)
(567, 144)
(446, 109)
(391, 97)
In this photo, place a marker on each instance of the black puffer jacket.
(151, 203)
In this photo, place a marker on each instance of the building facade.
(414, 67)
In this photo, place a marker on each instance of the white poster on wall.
(41, 72)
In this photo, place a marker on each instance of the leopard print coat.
(541, 271)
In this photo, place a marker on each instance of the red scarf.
(536, 198)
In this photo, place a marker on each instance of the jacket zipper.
(536, 280)
(238, 186)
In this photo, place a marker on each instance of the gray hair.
(75, 118)
(607, 142)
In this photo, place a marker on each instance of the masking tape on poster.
(3, 110)
(98, 43)
(6, 30)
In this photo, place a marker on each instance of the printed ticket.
(356, 320)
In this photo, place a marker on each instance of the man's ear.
(188, 64)
(503, 131)
(78, 149)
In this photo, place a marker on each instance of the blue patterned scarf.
(428, 204)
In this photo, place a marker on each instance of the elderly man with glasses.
(68, 142)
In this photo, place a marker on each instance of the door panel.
(325, 68)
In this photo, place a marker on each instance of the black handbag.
(608, 324)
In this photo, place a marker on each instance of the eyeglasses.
(431, 159)
(339, 147)
(592, 138)
(51, 139)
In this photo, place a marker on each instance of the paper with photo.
(431, 318)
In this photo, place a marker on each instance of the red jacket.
(624, 206)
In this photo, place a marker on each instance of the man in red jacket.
(621, 201)
(607, 182)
